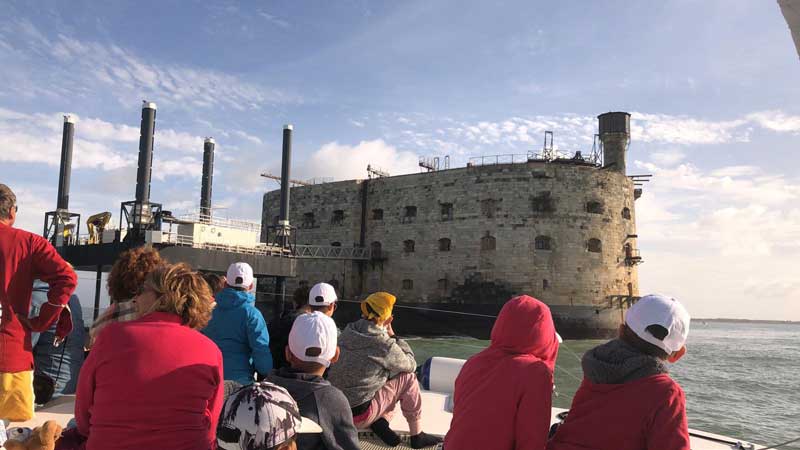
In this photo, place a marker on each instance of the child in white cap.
(311, 349)
(627, 400)
(239, 329)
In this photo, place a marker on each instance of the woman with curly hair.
(154, 382)
(125, 282)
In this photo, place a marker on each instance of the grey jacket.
(322, 403)
(617, 362)
(369, 357)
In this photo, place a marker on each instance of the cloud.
(356, 123)
(85, 65)
(776, 121)
(248, 137)
(719, 238)
(36, 138)
(273, 19)
(668, 158)
(346, 162)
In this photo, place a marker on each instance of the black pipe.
(145, 153)
(208, 175)
(285, 169)
(62, 203)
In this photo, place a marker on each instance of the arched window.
(595, 246)
(408, 284)
(594, 207)
(488, 242)
(308, 220)
(408, 246)
(543, 203)
(444, 245)
(543, 243)
(545, 285)
(377, 214)
(626, 213)
(488, 207)
(443, 285)
(376, 250)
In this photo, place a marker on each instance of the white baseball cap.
(322, 294)
(664, 311)
(240, 274)
(313, 338)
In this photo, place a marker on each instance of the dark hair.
(300, 297)
(7, 201)
(320, 308)
(215, 281)
(659, 332)
(130, 270)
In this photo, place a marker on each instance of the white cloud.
(345, 162)
(86, 65)
(776, 121)
(668, 158)
(247, 137)
(356, 123)
(273, 19)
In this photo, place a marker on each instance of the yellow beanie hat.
(378, 305)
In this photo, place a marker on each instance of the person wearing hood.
(503, 394)
(239, 329)
(627, 400)
(376, 372)
(311, 349)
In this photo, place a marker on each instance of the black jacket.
(279, 337)
(324, 404)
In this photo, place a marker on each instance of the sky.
(712, 86)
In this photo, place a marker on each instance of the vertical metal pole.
(65, 169)
(208, 176)
(283, 220)
(97, 284)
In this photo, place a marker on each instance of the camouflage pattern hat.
(260, 416)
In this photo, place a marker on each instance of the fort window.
(594, 207)
(377, 214)
(595, 246)
(275, 220)
(308, 220)
(408, 246)
(376, 250)
(447, 212)
(543, 203)
(444, 245)
(442, 285)
(409, 214)
(543, 243)
(626, 213)
(488, 207)
(338, 217)
(488, 243)
(408, 284)
(336, 244)
(545, 285)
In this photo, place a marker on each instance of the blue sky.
(712, 86)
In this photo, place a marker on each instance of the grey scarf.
(616, 362)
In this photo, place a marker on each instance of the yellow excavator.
(96, 224)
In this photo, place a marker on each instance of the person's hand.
(26, 323)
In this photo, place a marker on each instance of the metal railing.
(514, 158)
(213, 220)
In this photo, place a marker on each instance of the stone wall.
(498, 211)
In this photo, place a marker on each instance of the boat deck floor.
(369, 441)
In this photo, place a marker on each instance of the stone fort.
(560, 229)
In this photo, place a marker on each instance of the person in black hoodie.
(312, 347)
(280, 327)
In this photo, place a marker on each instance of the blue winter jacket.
(239, 330)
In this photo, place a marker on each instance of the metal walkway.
(369, 441)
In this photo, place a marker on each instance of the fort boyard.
(562, 229)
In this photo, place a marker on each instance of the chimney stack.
(65, 171)
(615, 134)
(286, 162)
(141, 213)
(208, 175)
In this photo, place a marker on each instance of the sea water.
(740, 379)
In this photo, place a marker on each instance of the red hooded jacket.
(503, 395)
(24, 257)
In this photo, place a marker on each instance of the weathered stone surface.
(497, 213)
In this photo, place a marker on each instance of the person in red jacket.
(154, 382)
(24, 257)
(503, 395)
(627, 400)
